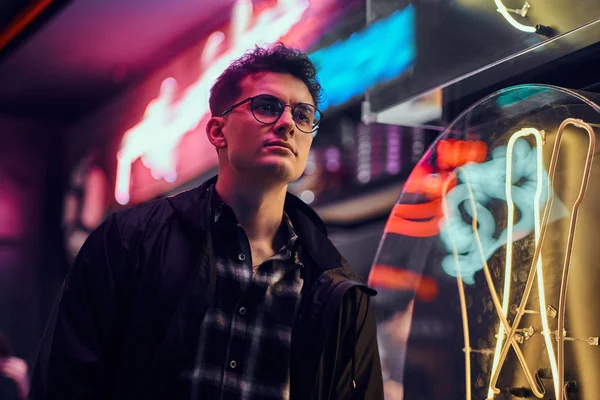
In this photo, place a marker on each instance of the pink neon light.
(166, 121)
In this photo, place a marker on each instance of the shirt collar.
(221, 213)
(223, 216)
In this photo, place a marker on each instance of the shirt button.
(233, 364)
(241, 257)
(243, 310)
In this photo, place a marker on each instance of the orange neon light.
(421, 219)
(21, 21)
(422, 229)
(388, 277)
(168, 118)
(418, 211)
(424, 181)
(452, 153)
(416, 220)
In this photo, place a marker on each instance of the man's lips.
(281, 144)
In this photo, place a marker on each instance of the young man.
(228, 291)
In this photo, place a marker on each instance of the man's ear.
(214, 132)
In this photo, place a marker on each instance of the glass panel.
(483, 243)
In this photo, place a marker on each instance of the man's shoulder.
(143, 215)
(345, 277)
(8, 388)
(154, 214)
(345, 273)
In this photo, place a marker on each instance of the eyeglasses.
(267, 109)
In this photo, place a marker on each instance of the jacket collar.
(194, 207)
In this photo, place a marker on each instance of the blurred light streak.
(22, 20)
(390, 277)
(349, 67)
(415, 220)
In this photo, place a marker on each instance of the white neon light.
(510, 339)
(461, 290)
(500, 353)
(502, 309)
(560, 336)
(508, 260)
(166, 121)
(505, 13)
(490, 282)
(566, 265)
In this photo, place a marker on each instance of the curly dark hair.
(274, 58)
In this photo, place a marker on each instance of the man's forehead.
(282, 85)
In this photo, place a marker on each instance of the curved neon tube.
(510, 340)
(495, 300)
(502, 10)
(508, 261)
(461, 291)
(560, 337)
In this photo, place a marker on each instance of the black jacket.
(128, 317)
(8, 389)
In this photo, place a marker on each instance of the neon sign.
(489, 179)
(506, 336)
(167, 120)
(423, 219)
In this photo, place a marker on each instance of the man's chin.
(278, 171)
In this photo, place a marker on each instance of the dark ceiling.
(9, 9)
(69, 63)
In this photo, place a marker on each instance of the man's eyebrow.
(279, 96)
(305, 106)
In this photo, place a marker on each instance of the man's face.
(260, 151)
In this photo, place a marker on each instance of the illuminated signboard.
(156, 140)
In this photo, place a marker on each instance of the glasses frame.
(250, 99)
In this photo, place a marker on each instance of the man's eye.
(303, 116)
(269, 108)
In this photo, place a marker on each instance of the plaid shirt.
(245, 338)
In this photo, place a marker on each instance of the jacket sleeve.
(76, 352)
(358, 369)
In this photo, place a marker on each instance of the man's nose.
(285, 124)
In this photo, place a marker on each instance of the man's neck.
(258, 209)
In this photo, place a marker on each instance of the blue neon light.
(487, 182)
(512, 97)
(377, 54)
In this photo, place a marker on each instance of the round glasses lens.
(266, 109)
(306, 117)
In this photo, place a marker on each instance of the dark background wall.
(30, 190)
